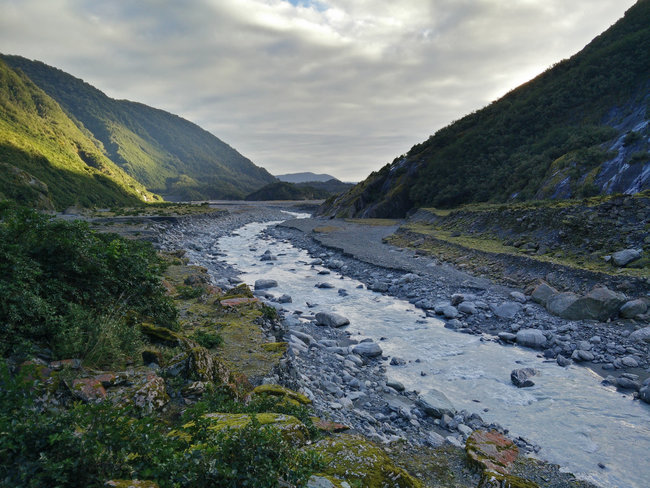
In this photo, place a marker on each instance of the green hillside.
(166, 153)
(47, 161)
(579, 129)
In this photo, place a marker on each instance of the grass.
(374, 222)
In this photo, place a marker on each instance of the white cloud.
(342, 86)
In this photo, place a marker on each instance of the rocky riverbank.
(616, 349)
(345, 379)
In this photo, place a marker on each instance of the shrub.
(208, 339)
(61, 283)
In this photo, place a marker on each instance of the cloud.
(341, 86)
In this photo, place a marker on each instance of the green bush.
(208, 339)
(62, 284)
(90, 444)
(188, 292)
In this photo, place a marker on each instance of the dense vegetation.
(74, 292)
(69, 292)
(522, 146)
(46, 160)
(169, 155)
(287, 191)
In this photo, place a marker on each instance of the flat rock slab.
(491, 450)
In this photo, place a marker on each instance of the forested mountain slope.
(166, 153)
(46, 161)
(579, 129)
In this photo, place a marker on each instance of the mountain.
(331, 187)
(47, 161)
(579, 129)
(166, 153)
(305, 177)
(287, 191)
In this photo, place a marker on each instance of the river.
(578, 422)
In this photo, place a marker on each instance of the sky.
(329, 86)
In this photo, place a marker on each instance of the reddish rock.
(88, 389)
(328, 426)
(491, 450)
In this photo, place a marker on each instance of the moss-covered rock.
(281, 391)
(162, 335)
(353, 459)
(239, 291)
(292, 429)
(203, 366)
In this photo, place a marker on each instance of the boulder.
(507, 336)
(449, 312)
(324, 285)
(633, 308)
(435, 404)
(131, 484)
(561, 305)
(152, 395)
(368, 349)
(562, 361)
(507, 310)
(203, 366)
(600, 303)
(89, 390)
(521, 377)
(518, 296)
(361, 463)
(644, 394)
(625, 257)
(641, 335)
(264, 284)
(281, 392)
(491, 451)
(543, 293)
(531, 338)
(331, 319)
(468, 308)
(292, 429)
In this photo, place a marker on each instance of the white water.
(577, 421)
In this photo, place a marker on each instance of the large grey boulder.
(625, 257)
(263, 284)
(561, 304)
(600, 303)
(531, 338)
(331, 319)
(641, 335)
(507, 310)
(435, 404)
(543, 293)
(633, 308)
(367, 349)
(521, 377)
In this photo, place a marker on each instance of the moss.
(281, 391)
(278, 347)
(355, 460)
(161, 334)
(239, 291)
(292, 429)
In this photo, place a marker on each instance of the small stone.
(521, 377)
(625, 257)
(507, 310)
(531, 338)
(633, 308)
(517, 296)
(397, 361)
(368, 349)
(331, 319)
(395, 385)
(562, 361)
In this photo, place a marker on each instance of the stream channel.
(578, 422)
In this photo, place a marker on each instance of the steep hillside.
(579, 129)
(166, 153)
(287, 191)
(47, 161)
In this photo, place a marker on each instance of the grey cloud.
(343, 89)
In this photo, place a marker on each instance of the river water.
(578, 422)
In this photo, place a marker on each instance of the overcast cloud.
(335, 86)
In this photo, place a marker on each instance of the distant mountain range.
(60, 125)
(579, 129)
(304, 177)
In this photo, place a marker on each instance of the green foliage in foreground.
(90, 444)
(75, 291)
